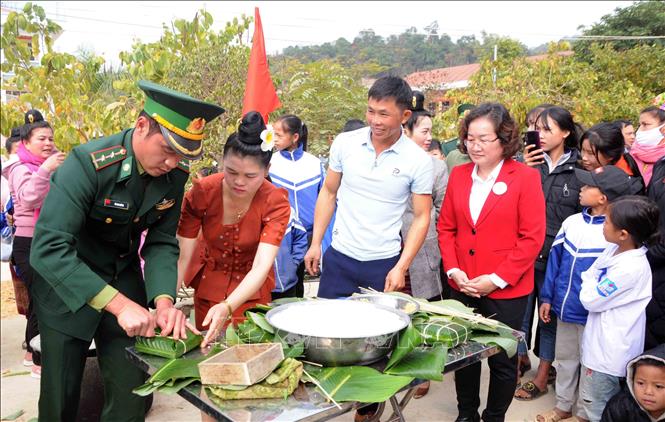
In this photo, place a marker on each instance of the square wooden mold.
(243, 364)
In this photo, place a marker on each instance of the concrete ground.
(21, 392)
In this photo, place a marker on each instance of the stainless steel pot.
(341, 351)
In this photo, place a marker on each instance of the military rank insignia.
(164, 204)
(183, 165)
(108, 156)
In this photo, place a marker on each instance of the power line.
(615, 37)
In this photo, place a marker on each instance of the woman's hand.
(482, 285)
(54, 161)
(544, 313)
(215, 318)
(462, 280)
(532, 156)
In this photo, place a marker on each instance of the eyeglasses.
(481, 142)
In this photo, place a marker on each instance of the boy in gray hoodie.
(644, 398)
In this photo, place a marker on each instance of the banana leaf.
(260, 321)
(231, 337)
(422, 362)
(252, 333)
(285, 300)
(283, 385)
(172, 372)
(509, 344)
(358, 383)
(408, 340)
(174, 375)
(167, 347)
(444, 330)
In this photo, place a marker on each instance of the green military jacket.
(88, 234)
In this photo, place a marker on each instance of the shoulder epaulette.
(108, 156)
(183, 165)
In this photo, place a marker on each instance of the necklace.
(241, 213)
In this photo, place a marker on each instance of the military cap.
(181, 118)
(464, 107)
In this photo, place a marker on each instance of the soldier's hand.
(172, 320)
(132, 317)
(54, 161)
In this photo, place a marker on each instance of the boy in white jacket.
(615, 291)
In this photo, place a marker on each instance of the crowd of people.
(552, 221)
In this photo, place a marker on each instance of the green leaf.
(294, 351)
(444, 330)
(261, 321)
(350, 383)
(231, 337)
(408, 340)
(13, 416)
(423, 362)
(507, 344)
(167, 347)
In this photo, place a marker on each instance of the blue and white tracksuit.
(578, 244)
(302, 175)
(291, 253)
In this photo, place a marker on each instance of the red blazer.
(508, 234)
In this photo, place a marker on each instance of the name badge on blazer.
(112, 203)
(164, 204)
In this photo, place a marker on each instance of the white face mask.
(650, 137)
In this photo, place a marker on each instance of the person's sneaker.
(27, 359)
(36, 372)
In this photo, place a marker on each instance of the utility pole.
(496, 52)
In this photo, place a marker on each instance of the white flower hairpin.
(268, 138)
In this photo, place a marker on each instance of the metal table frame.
(307, 403)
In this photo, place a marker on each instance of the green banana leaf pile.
(175, 374)
(167, 347)
(281, 383)
(421, 353)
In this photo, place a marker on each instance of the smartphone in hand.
(533, 138)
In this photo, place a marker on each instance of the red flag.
(260, 94)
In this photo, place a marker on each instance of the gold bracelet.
(228, 306)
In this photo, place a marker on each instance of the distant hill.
(402, 54)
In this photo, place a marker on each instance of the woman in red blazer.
(491, 229)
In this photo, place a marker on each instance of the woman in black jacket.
(556, 160)
(655, 329)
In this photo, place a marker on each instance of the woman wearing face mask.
(28, 180)
(649, 144)
(242, 217)
(424, 275)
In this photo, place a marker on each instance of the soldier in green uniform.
(88, 282)
(454, 156)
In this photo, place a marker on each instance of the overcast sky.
(109, 27)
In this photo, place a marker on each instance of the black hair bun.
(33, 116)
(418, 101)
(251, 126)
(16, 132)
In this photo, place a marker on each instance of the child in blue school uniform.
(290, 255)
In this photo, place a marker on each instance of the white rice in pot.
(337, 319)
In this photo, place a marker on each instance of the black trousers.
(503, 370)
(21, 256)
